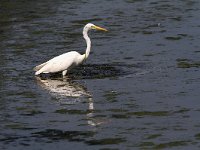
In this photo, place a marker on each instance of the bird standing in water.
(66, 61)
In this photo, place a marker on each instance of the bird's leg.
(64, 73)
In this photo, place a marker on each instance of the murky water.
(139, 89)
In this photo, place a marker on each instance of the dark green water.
(139, 88)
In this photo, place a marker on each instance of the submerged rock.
(98, 71)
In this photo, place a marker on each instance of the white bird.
(66, 61)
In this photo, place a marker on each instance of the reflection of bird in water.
(91, 119)
(67, 92)
(66, 61)
(61, 88)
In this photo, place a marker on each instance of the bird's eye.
(92, 27)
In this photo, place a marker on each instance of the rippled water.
(139, 89)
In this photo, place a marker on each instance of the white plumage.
(68, 60)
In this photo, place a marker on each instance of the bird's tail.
(37, 68)
(37, 73)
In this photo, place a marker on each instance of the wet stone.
(97, 71)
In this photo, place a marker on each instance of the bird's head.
(90, 26)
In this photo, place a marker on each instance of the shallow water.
(139, 88)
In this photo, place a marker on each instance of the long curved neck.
(88, 42)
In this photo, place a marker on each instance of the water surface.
(139, 88)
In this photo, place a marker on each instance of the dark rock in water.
(97, 71)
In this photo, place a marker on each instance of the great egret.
(68, 60)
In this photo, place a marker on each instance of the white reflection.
(62, 88)
(90, 116)
(69, 92)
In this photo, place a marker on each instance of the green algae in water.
(183, 110)
(147, 32)
(154, 136)
(149, 54)
(148, 113)
(106, 141)
(188, 65)
(147, 144)
(32, 112)
(15, 126)
(197, 136)
(173, 38)
(73, 111)
(120, 116)
(184, 63)
(171, 144)
(111, 95)
(55, 134)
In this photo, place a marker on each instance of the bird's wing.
(39, 66)
(59, 63)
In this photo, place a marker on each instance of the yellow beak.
(99, 28)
